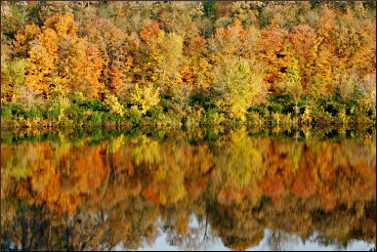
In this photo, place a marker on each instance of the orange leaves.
(304, 41)
(304, 184)
(92, 52)
(152, 194)
(61, 59)
(116, 78)
(305, 45)
(326, 22)
(61, 185)
(112, 60)
(273, 186)
(40, 65)
(64, 24)
(230, 194)
(273, 40)
(102, 29)
(196, 44)
(150, 33)
(324, 52)
(230, 40)
(49, 40)
(85, 77)
(199, 41)
(273, 50)
(32, 30)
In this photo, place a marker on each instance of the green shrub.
(6, 111)
(34, 112)
(12, 78)
(209, 8)
(94, 105)
(213, 117)
(96, 118)
(74, 113)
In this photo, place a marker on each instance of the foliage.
(12, 79)
(144, 98)
(146, 63)
(234, 89)
(115, 107)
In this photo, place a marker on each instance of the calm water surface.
(111, 190)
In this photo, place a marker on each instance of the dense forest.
(188, 64)
(52, 196)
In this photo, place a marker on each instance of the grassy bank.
(279, 111)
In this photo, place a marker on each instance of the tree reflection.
(81, 196)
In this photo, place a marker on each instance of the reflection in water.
(235, 192)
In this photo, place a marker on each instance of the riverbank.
(280, 112)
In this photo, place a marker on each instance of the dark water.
(111, 190)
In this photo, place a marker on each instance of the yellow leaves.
(236, 86)
(170, 54)
(20, 39)
(186, 74)
(145, 97)
(164, 58)
(147, 153)
(32, 30)
(307, 116)
(294, 154)
(240, 171)
(12, 78)
(115, 107)
(23, 37)
(154, 77)
(129, 62)
(175, 193)
(116, 144)
(292, 81)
